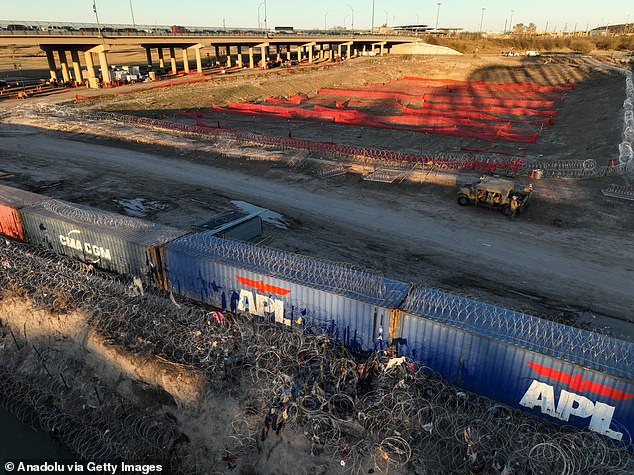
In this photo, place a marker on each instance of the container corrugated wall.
(340, 279)
(109, 241)
(544, 385)
(356, 322)
(12, 200)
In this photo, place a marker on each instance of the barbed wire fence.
(368, 412)
(587, 348)
(223, 136)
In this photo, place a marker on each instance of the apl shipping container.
(12, 200)
(552, 370)
(107, 240)
(346, 303)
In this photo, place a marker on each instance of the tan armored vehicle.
(498, 193)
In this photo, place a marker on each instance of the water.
(19, 442)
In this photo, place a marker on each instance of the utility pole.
(482, 19)
(94, 9)
(132, 12)
(266, 28)
(352, 20)
(437, 14)
(511, 22)
(259, 22)
(372, 27)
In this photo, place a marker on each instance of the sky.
(467, 14)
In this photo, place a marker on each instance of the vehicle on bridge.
(178, 29)
(284, 30)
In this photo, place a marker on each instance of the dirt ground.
(580, 272)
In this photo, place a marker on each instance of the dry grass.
(251, 86)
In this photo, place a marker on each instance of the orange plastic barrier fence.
(519, 86)
(329, 147)
(460, 100)
(476, 115)
(159, 85)
(512, 111)
(466, 100)
(294, 101)
(431, 125)
(458, 91)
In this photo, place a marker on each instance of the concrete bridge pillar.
(217, 53)
(240, 63)
(185, 61)
(148, 55)
(105, 68)
(51, 65)
(380, 46)
(331, 53)
(90, 71)
(161, 58)
(199, 61)
(62, 61)
(288, 52)
(228, 55)
(279, 53)
(76, 65)
(264, 48)
(251, 61)
(173, 60)
(339, 46)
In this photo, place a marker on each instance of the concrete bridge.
(238, 50)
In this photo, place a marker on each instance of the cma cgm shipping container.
(107, 240)
(12, 200)
(344, 302)
(561, 373)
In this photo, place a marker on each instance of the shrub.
(581, 45)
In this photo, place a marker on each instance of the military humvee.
(495, 193)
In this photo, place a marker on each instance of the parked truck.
(496, 193)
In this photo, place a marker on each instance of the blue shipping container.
(109, 241)
(552, 370)
(341, 301)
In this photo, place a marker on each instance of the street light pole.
(372, 27)
(266, 27)
(132, 12)
(94, 9)
(437, 15)
(511, 22)
(326, 16)
(259, 22)
(385, 17)
(482, 19)
(352, 20)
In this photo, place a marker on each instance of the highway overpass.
(232, 50)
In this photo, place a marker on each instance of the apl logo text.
(72, 240)
(262, 305)
(542, 395)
